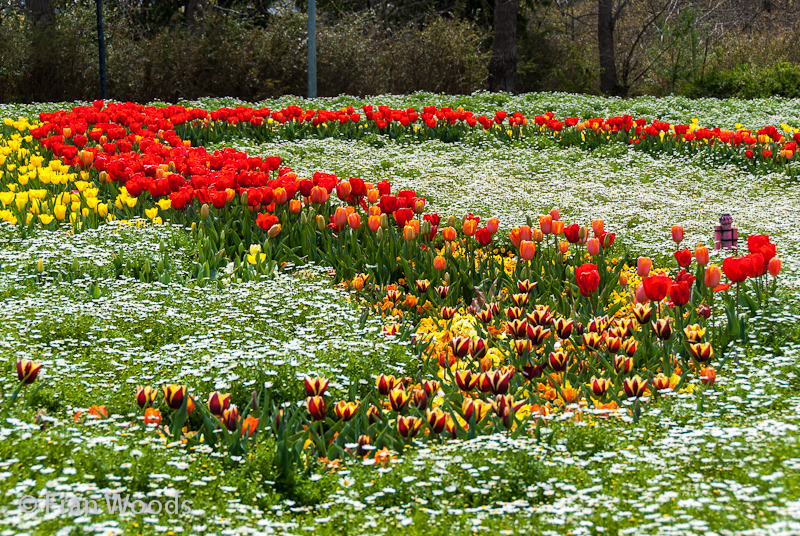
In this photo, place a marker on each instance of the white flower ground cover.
(731, 467)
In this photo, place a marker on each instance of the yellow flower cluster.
(31, 187)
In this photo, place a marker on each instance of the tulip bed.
(432, 347)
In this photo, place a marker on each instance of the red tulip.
(684, 257)
(737, 268)
(680, 292)
(588, 279)
(656, 287)
(483, 236)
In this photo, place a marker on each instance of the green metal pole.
(101, 43)
(312, 49)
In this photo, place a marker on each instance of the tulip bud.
(426, 229)
(243, 199)
(204, 211)
(274, 231)
(321, 223)
(538, 236)
(379, 234)
(303, 219)
(704, 310)
(384, 222)
(40, 266)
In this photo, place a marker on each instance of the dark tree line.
(628, 39)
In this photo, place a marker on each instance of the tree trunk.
(605, 44)
(503, 65)
(42, 12)
(194, 15)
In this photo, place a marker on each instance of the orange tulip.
(354, 221)
(469, 227)
(593, 247)
(152, 416)
(295, 206)
(449, 234)
(774, 266)
(701, 254)
(546, 224)
(558, 227)
(677, 234)
(439, 263)
(527, 249)
(598, 226)
(712, 276)
(374, 223)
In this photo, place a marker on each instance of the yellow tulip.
(28, 218)
(22, 200)
(151, 212)
(22, 179)
(60, 211)
(118, 203)
(85, 212)
(36, 161)
(46, 219)
(6, 198)
(131, 201)
(55, 165)
(158, 220)
(90, 192)
(81, 185)
(92, 202)
(73, 218)
(75, 206)
(165, 204)
(102, 210)
(40, 193)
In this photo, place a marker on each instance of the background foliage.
(255, 49)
